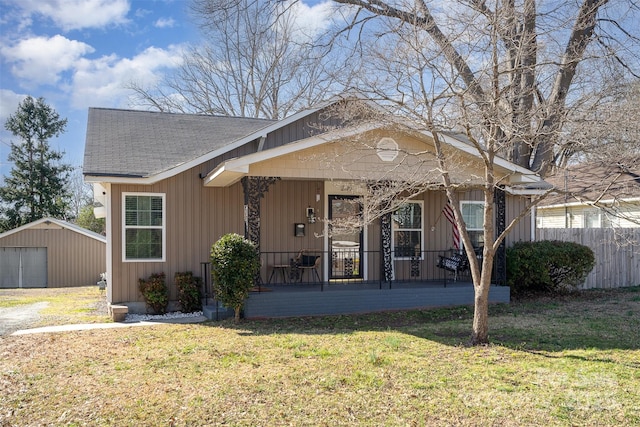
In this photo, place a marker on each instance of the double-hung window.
(408, 230)
(592, 218)
(473, 216)
(144, 227)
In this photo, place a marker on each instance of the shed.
(51, 253)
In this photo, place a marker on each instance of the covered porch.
(390, 260)
(295, 300)
(282, 290)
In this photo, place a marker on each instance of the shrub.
(154, 292)
(234, 265)
(547, 266)
(188, 291)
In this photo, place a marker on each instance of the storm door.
(345, 241)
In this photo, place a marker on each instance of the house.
(170, 185)
(594, 195)
(51, 253)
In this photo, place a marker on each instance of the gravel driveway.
(20, 317)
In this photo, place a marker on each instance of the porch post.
(500, 261)
(385, 238)
(254, 188)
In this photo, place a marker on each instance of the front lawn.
(569, 361)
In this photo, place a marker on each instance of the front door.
(345, 243)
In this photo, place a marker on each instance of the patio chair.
(455, 263)
(303, 262)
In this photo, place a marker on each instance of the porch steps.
(223, 312)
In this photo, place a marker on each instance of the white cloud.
(312, 19)
(9, 101)
(40, 60)
(103, 82)
(165, 23)
(79, 14)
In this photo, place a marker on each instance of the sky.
(78, 54)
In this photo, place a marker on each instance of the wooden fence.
(617, 253)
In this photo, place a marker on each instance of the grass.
(566, 361)
(64, 305)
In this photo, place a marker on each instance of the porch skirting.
(316, 303)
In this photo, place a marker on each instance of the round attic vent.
(387, 149)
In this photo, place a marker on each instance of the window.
(144, 227)
(473, 215)
(592, 218)
(407, 230)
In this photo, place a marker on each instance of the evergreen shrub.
(547, 266)
(189, 296)
(234, 265)
(155, 293)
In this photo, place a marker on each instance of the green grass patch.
(570, 361)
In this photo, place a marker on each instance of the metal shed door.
(23, 267)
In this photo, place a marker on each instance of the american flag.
(447, 211)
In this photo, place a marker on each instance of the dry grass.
(65, 305)
(575, 361)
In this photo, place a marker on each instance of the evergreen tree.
(88, 220)
(37, 184)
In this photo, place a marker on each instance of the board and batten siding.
(514, 206)
(286, 202)
(73, 259)
(196, 217)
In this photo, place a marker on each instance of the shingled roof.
(598, 180)
(132, 143)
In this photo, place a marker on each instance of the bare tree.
(606, 130)
(81, 193)
(255, 61)
(508, 75)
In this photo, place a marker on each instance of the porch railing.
(353, 267)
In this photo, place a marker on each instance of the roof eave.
(232, 170)
(60, 223)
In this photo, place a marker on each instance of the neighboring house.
(51, 253)
(593, 195)
(170, 185)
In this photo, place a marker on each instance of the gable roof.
(523, 181)
(130, 146)
(141, 144)
(46, 222)
(596, 181)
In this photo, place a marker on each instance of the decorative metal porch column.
(500, 261)
(385, 243)
(254, 188)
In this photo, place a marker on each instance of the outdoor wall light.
(311, 215)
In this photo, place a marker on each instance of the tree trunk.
(480, 333)
(237, 314)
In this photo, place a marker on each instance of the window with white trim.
(143, 233)
(473, 216)
(407, 230)
(592, 218)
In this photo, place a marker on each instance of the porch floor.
(321, 299)
(358, 285)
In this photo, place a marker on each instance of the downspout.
(566, 208)
(533, 224)
(109, 247)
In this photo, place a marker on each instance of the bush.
(234, 266)
(188, 292)
(547, 266)
(154, 292)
